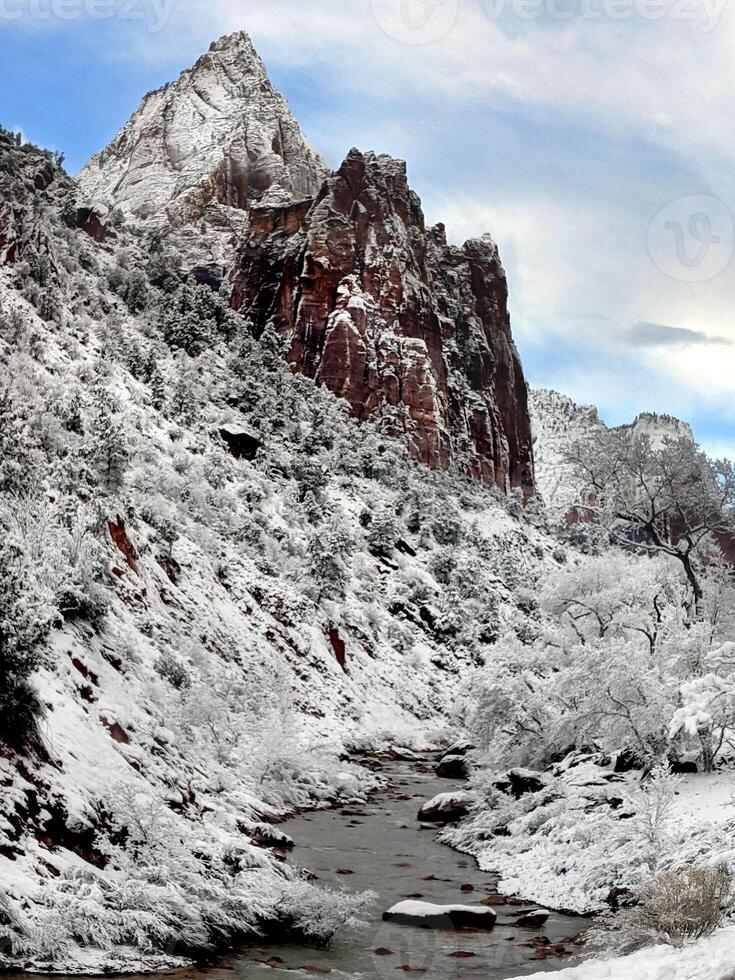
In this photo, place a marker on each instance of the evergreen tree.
(158, 389)
(383, 533)
(26, 615)
(330, 550)
(106, 447)
(191, 318)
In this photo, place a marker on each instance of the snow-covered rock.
(446, 807)
(557, 423)
(206, 148)
(532, 918)
(429, 916)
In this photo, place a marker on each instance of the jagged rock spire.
(208, 145)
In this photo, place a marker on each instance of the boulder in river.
(532, 918)
(446, 807)
(459, 748)
(426, 915)
(452, 767)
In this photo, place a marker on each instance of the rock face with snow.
(414, 333)
(206, 147)
(557, 423)
(657, 428)
(411, 331)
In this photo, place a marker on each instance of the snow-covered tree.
(668, 499)
(26, 615)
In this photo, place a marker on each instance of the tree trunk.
(707, 752)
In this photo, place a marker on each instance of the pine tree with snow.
(107, 448)
(383, 533)
(158, 388)
(26, 615)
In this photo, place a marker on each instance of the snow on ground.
(704, 797)
(709, 959)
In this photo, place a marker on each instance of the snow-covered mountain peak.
(207, 146)
(659, 427)
(558, 423)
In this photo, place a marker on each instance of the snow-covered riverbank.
(709, 959)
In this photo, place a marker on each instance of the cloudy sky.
(593, 138)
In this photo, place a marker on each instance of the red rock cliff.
(412, 332)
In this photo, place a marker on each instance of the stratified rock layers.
(410, 331)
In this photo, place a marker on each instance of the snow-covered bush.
(675, 907)
(653, 801)
(313, 915)
(615, 665)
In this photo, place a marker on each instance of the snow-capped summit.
(660, 427)
(207, 146)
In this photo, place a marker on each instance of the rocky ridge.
(384, 312)
(411, 331)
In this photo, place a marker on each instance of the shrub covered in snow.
(675, 907)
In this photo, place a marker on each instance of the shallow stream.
(381, 847)
(384, 850)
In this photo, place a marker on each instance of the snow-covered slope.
(216, 622)
(708, 959)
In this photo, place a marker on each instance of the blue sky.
(592, 138)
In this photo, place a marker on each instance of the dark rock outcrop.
(242, 442)
(413, 333)
(518, 782)
(452, 767)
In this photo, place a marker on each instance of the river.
(381, 844)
